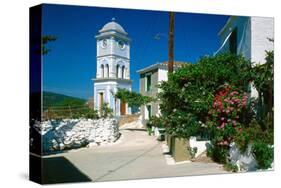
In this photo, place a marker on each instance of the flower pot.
(168, 140)
(161, 134)
(179, 149)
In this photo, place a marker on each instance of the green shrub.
(219, 154)
(134, 99)
(230, 167)
(211, 98)
(156, 121)
(188, 95)
(253, 133)
(106, 111)
(264, 154)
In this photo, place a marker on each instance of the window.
(102, 71)
(123, 71)
(148, 82)
(233, 42)
(107, 70)
(117, 71)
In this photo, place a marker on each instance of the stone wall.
(244, 161)
(66, 134)
(200, 145)
(125, 119)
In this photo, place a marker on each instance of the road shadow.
(61, 170)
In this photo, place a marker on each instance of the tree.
(45, 40)
(263, 82)
(188, 95)
(133, 99)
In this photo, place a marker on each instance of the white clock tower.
(113, 67)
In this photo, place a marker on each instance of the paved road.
(135, 156)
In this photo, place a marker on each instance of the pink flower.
(222, 125)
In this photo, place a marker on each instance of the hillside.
(51, 99)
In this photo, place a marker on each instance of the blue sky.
(71, 63)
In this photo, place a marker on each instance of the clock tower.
(113, 67)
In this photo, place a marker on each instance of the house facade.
(150, 77)
(113, 67)
(248, 36)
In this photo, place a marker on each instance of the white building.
(247, 36)
(113, 67)
(150, 77)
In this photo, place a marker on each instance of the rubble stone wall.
(75, 133)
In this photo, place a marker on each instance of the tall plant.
(133, 99)
(263, 82)
(190, 91)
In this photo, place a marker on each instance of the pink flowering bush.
(226, 114)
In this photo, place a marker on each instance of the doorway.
(123, 108)
(100, 101)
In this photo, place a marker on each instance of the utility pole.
(171, 43)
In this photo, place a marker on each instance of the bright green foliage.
(156, 122)
(67, 113)
(264, 154)
(85, 113)
(263, 82)
(231, 167)
(218, 153)
(212, 98)
(253, 133)
(106, 111)
(188, 95)
(55, 100)
(263, 77)
(182, 124)
(133, 99)
(58, 106)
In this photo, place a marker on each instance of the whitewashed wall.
(262, 28)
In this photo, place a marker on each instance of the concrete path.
(135, 156)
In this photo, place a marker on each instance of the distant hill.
(51, 99)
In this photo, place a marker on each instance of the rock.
(244, 161)
(74, 133)
(61, 145)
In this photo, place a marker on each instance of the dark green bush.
(156, 122)
(106, 111)
(188, 105)
(231, 167)
(188, 95)
(264, 154)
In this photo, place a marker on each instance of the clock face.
(104, 43)
(121, 44)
